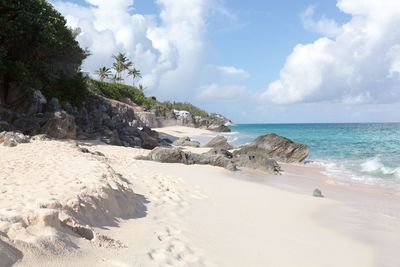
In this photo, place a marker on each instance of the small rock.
(317, 193)
(185, 141)
(12, 139)
(40, 137)
(84, 150)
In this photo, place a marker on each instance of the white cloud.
(228, 93)
(323, 26)
(362, 64)
(168, 48)
(230, 70)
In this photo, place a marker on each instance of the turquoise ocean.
(367, 153)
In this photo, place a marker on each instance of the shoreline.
(207, 216)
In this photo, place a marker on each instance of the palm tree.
(103, 73)
(141, 88)
(115, 78)
(121, 64)
(135, 73)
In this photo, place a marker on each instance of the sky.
(254, 61)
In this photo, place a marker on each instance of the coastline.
(208, 216)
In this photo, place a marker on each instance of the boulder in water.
(275, 147)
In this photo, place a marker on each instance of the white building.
(181, 113)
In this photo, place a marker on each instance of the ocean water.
(361, 152)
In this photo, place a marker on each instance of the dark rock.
(168, 155)
(60, 126)
(4, 126)
(177, 155)
(12, 139)
(83, 150)
(29, 125)
(219, 128)
(165, 142)
(54, 105)
(7, 115)
(37, 103)
(231, 167)
(220, 151)
(40, 137)
(185, 141)
(21, 100)
(150, 132)
(148, 141)
(112, 139)
(129, 131)
(317, 193)
(252, 160)
(219, 142)
(275, 147)
(123, 113)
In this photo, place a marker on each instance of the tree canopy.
(38, 50)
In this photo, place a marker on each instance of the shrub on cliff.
(117, 91)
(38, 51)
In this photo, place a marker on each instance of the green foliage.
(166, 107)
(117, 91)
(195, 111)
(37, 50)
(103, 73)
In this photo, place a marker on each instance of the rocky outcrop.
(177, 155)
(149, 138)
(12, 139)
(60, 126)
(214, 122)
(219, 128)
(220, 151)
(148, 119)
(254, 162)
(219, 142)
(185, 141)
(112, 121)
(275, 147)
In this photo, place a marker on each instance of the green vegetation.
(165, 107)
(38, 51)
(103, 73)
(117, 91)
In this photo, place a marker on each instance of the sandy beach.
(67, 203)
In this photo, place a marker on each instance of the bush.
(37, 50)
(117, 91)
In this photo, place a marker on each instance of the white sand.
(180, 216)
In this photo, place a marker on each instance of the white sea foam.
(370, 172)
(376, 166)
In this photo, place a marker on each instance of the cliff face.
(111, 121)
(214, 122)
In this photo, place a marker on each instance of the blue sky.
(254, 61)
